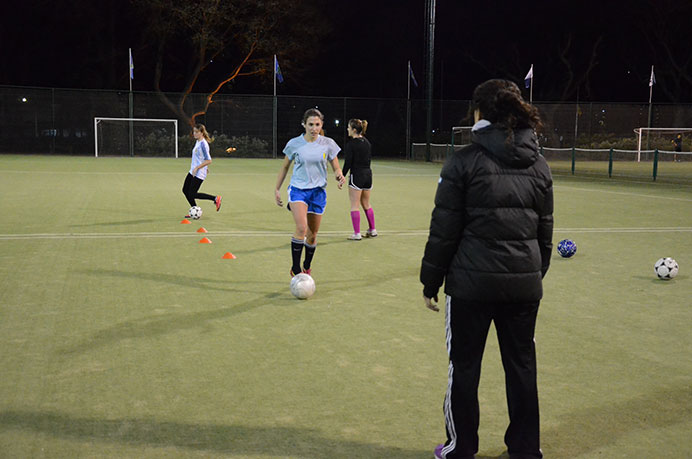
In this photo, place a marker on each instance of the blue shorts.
(314, 198)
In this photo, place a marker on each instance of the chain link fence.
(61, 121)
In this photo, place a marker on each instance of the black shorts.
(360, 179)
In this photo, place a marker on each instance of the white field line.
(285, 234)
(236, 174)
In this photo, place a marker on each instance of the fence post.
(655, 163)
(573, 158)
(610, 163)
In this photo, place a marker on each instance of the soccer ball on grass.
(195, 212)
(666, 268)
(302, 286)
(566, 248)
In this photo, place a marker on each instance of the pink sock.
(355, 219)
(371, 218)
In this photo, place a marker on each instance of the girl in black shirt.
(358, 153)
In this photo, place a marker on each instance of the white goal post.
(130, 123)
(464, 133)
(641, 130)
(461, 136)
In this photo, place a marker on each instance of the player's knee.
(301, 229)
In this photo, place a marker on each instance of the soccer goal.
(135, 137)
(461, 136)
(661, 139)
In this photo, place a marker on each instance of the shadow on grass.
(226, 439)
(161, 324)
(121, 222)
(582, 431)
(201, 283)
(662, 282)
(189, 282)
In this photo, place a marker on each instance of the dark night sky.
(83, 44)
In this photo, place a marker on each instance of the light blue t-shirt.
(310, 160)
(200, 153)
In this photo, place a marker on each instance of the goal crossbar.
(640, 130)
(98, 119)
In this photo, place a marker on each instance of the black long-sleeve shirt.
(357, 153)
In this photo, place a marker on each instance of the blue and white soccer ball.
(302, 286)
(666, 268)
(195, 212)
(566, 248)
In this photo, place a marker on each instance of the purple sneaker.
(438, 451)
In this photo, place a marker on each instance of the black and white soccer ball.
(666, 268)
(195, 212)
(302, 286)
(566, 248)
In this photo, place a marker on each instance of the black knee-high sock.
(309, 253)
(296, 254)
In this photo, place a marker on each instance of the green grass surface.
(122, 336)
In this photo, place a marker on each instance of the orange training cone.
(185, 221)
(204, 240)
(202, 230)
(228, 256)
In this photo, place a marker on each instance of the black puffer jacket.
(491, 230)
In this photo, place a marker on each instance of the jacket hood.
(521, 152)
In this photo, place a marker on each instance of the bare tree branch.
(241, 34)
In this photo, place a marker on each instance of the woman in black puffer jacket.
(490, 243)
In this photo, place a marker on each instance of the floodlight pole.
(408, 113)
(429, 83)
(275, 114)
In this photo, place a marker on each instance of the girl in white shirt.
(201, 159)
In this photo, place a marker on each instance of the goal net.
(461, 136)
(135, 137)
(665, 140)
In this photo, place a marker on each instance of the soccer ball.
(302, 286)
(566, 248)
(666, 268)
(195, 212)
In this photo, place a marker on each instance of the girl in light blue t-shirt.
(307, 198)
(201, 159)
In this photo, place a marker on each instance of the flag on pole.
(652, 78)
(132, 66)
(529, 77)
(277, 70)
(412, 76)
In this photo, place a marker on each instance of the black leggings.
(191, 188)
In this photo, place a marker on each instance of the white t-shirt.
(200, 153)
(310, 160)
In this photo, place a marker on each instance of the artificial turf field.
(122, 336)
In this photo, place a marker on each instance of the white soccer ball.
(302, 286)
(666, 268)
(195, 212)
